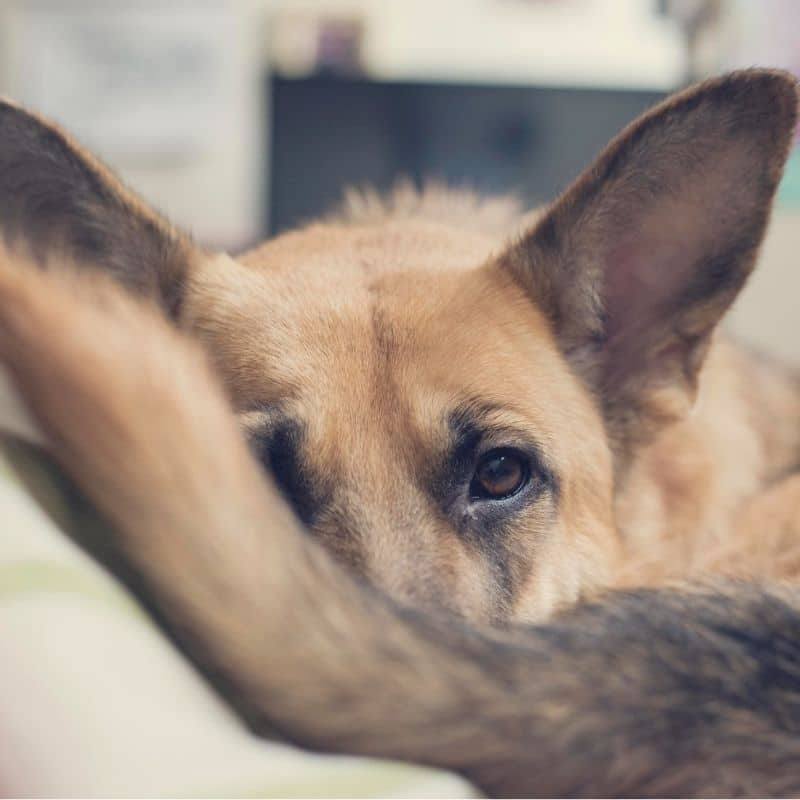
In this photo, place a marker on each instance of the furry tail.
(648, 693)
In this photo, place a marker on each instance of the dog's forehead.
(342, 318)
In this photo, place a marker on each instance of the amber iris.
(500, 473)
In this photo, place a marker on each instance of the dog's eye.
(499, 474)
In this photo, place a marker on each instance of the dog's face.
(449, 413)
(415, 408)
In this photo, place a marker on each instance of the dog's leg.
(647, 694)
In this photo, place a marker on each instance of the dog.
(494, 431)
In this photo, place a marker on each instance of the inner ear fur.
(58, 200)
(636, 263)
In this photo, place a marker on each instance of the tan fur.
(688, 492)
(371, 437)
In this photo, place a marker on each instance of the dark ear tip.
(756, 79)
(774, 92)
(775, 84)
(8, 106)
(17, 118)
(14, 113)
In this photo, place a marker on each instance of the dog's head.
(448, 412)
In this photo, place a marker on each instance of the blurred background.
(241, 119)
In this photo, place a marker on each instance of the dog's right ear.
(56, 199)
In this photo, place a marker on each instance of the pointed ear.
(57, 199)
(640, 258)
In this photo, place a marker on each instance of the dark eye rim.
(477, 493)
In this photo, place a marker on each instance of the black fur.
(280, 450)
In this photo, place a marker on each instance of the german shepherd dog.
(471, 424)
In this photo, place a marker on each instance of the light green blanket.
(95, 701)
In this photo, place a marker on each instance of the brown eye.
(499, 474)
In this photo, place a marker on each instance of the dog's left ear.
(56, 199)
(639, 259)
